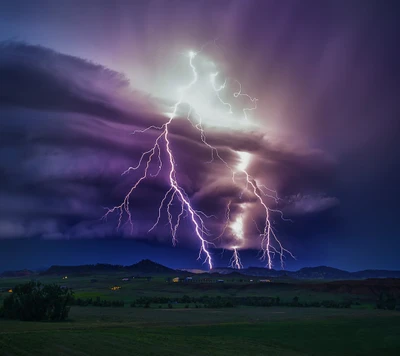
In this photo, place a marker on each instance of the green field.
(158, 286)
(242, 330)
(238, 331)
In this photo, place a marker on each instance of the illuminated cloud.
(68, 137)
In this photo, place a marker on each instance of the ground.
(237, 331)
(189, 331)
(159, 287)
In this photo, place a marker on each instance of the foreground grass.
(239, 331)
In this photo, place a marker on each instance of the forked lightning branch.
(268, 239)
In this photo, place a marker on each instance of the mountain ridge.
(318, 272)
(148, 267)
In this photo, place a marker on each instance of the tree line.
(34, 301)
(229, 302)
(97, 302)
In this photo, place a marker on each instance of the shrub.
(185, 299)
(117, 303)
(34, 301)
(386, 301)
(390, 302)
(295, 301)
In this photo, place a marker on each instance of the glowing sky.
(323, 135)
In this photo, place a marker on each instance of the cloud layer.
(66, 136)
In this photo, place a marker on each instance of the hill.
(146, 267)
(321, 272)
(20, 273)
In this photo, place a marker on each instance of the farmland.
(245, 331)
(180, 329)
(92, 286)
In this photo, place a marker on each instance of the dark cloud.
(326, 74)
(36, 77)
(66, 137)
(39, 78)
(308, 204)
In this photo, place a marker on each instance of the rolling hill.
(148, 267)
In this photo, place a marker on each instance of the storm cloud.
(66, 136)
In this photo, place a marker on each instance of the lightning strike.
(270, 244)
(235, 261)
(267, 235)
(238, 232)
(175, 190)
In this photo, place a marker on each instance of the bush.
(390, 302)
(34, 301)
(386, 301)
(98, 302)
(295, 301)
(117, 303)
(185, 299)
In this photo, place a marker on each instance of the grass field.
(239, 331)
(158, 286)
(189, 331)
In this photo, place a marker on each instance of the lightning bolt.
(235, 261)
(267, 234)
(176, 193)
(227, 221)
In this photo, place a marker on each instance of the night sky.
(78, 77)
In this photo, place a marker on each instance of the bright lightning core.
(238, 232)
(215, 99)
(237, 228)
(199, 95)
(244, 162)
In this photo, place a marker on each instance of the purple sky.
(326, 78)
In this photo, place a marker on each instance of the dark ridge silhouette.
(142, 267)
(20, 273)
(320, 272)
(148, 267)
